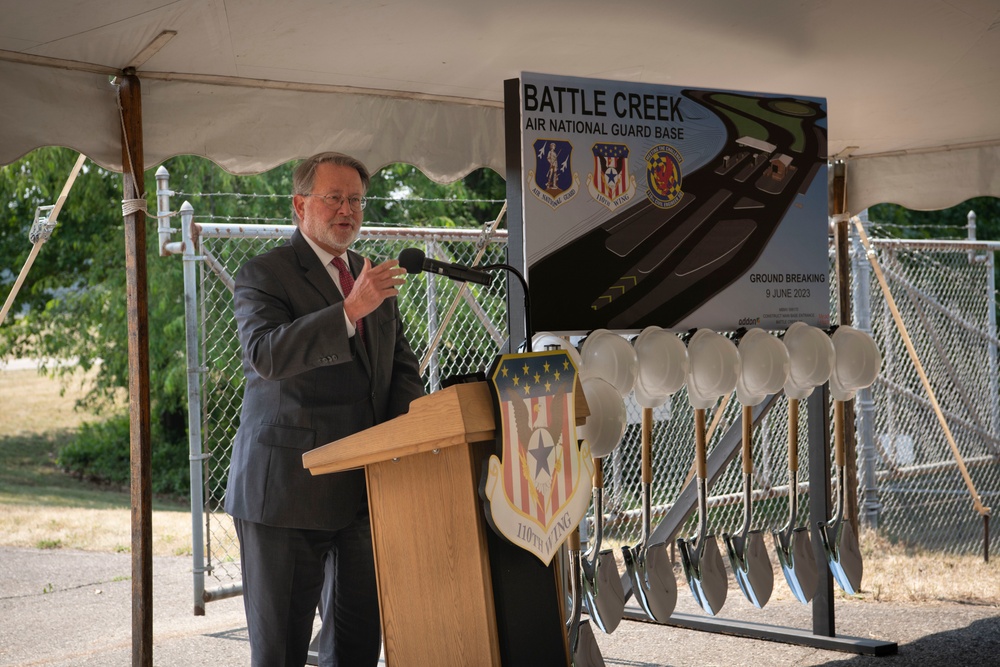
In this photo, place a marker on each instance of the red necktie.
(347, 284)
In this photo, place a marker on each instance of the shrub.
(100, 452)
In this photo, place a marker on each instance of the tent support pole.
(842, 248)
(137, 300)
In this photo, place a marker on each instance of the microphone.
(414, 261)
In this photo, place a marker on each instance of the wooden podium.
(432, 543)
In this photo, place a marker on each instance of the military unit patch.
(539, 489)
(611, 184)
(663, 176)
(552, 180)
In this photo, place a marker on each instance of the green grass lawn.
(45, 507)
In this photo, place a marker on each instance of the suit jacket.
(308, 383)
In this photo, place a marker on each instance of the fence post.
(991, 329)
(194, 374)
(870, 505)
(433, 321)
(971, 228)
(163, 228)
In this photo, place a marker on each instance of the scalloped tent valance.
(912, 86)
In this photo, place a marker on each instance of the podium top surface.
(455, 415)
(452, 416)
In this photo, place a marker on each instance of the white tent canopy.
(913, 86)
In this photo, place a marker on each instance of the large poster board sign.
(679, 207)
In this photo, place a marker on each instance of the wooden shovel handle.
(793, 434)
(599, 473)
(701, 466)
(647, 445)
(716, 418)
(838, 434)
(747, 438)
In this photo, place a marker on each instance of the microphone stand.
(527, 304)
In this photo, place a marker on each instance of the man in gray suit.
(319, 366)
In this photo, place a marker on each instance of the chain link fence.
(453, 328)
(909, 485)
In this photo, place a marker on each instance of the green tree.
(401, 195)
(951, 223)
(75, 271)
(72, 305)
(946, 223)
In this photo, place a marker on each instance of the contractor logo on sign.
(552, 180)
(611, 184)
(539, 489)
(663, 176)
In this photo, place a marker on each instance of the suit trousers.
(288, 573)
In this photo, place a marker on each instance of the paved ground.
(72, 608)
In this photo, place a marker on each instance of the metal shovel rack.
(823, 634)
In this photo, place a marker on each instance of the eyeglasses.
(335, 202)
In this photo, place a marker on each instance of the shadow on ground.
(976, 644)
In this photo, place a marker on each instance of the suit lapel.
(314, 271)
(319, 277)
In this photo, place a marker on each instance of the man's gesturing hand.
(373, 286)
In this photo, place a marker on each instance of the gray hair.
(305, 173)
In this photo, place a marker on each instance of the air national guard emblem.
(663, 176)
(539, 491)
(611, 184)
(553, 181)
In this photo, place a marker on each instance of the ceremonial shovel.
(856, 366)
(811, 356)
(649, 566)
(843, 553)
(582, 644)
(747, 552)
(602, 585)
(703, 567)
(713, 371)
(763, 371)
(795, 552)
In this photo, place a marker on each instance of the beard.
(334, 234)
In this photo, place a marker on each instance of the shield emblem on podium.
(538, 490)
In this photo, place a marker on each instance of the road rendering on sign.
(658, 260)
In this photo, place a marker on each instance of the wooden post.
(137, 299)
(842, 245)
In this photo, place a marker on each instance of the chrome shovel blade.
(851, 564)
(631, 556)
(843, 555)
(705, 573)
(652, 575)
(587, 653)
(603, 591)
(659, 575)
(798, 563)
(751, 566)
